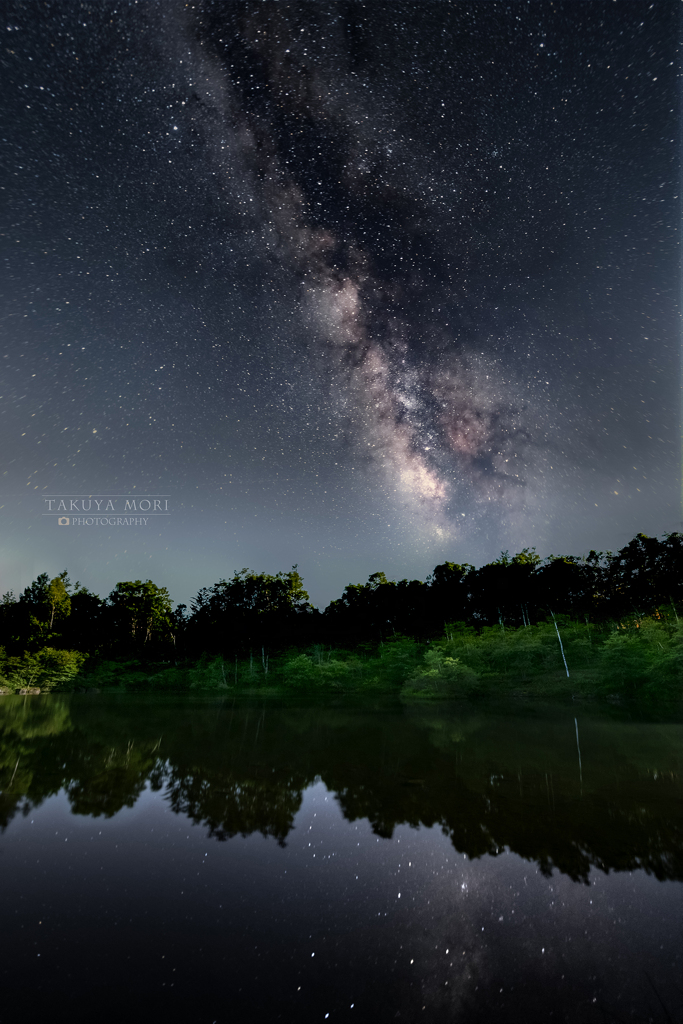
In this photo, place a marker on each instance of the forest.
(603, 624)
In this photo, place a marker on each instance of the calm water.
(198, 860)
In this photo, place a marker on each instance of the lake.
(207, 860)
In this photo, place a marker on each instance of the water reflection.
(491, 781)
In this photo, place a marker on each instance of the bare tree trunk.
(561, 647)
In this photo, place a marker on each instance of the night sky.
(359, 286)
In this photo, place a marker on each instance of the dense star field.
(356, 286)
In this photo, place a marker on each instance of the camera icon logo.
(63, 521)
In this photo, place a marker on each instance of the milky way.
(343, 206)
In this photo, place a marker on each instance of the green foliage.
(258, 630)
(133, 675)
(399, 656)
(314, 670)
(442, 675)
(387, 668)
(214, 674)
(49, 669)
(48, 600)
(640, 657)
(302, 671)
(142, 612)
(519, 654)
(58, 600)
(643, 657)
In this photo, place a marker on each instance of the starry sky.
(358, 286)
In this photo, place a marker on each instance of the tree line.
(252, 614)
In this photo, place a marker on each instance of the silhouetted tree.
(377, 609)
(251, 610)
(501, 590)
(570, 585)
(645, 573)
(86, 628)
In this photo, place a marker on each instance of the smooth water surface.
(200, 860)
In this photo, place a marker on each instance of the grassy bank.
(641, 657)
